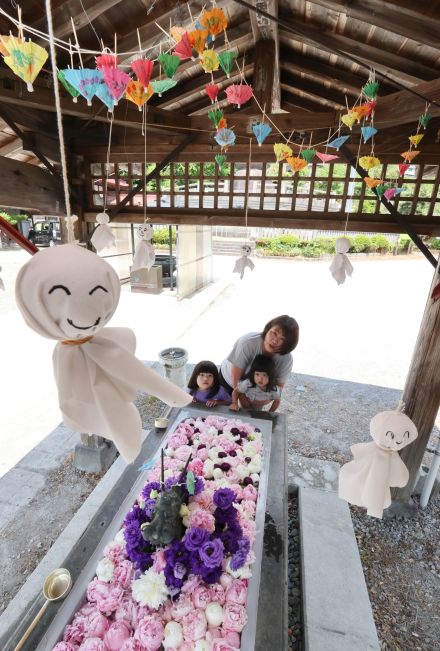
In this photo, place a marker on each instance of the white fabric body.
(144, 256)
(102, 237)
(69, 293)
(241, 264)
(2, 284)
(340, 268)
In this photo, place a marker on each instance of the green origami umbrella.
(308, 154)
(215, 116)
(226, 60)
(370, 89)
(169, 63)
(162, 85)
(70, 89)
(424, 120)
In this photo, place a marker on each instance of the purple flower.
(224, 497)
(212, 575)
(132, 534)
(247, 481)
(194, 538)
(211, 553)
(229, 540)
(142, 560)
(179, 570)
(150, 507)
(135, 515)
(239, 558)
(232, 453)
(151, 486)
(222, 455)
(196, 563)
(199, 485)
(225, 516)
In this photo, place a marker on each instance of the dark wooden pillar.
(421, 394)
(264, 64)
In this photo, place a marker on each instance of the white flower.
(223, 482)
(242, 573)
(217, 473)
(255, 477)
(208, 468)
(249, 450)
(214, 614)
(241, 471)
(173, 635)
(202, 645)
(255, 464)
(213, 431)
(150, 589)
(169, 452)
(168, 473)
(119, 538)
(105, 569)
(213, 453)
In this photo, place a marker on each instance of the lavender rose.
(211, 553)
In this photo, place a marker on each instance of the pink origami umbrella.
(239, 94)
(326, 158)
(105, 60)
(183, 48)
(116, 81)
(143, 69)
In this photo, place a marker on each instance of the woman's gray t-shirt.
(243, 353)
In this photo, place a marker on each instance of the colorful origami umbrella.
(239, 94)
(209, 60)
(162, 85)
(222, 124)
(349, 119)
(372, 183)
(368, 132)
(5, 42)
(402, 168)
(392, 192)
(85, 80)
(25, 59)
(220, 159)
(380, 189)
(326, 158)
(136, 93)
(281, 151)
(143, 69)
(183, 48)
(415, 139)
(70, 89)
(308, 154)
(370, 89)
(296, 163)
(214, 21)
(225, 137)
(104, 94)
(212, 92)
(367, 162)
(261, 131)
(106, 60)
(169, 63)
(177, 33)
(424, 120)
(215, 115)
(361, 111)
(338, 142)
(197, 38)
(226, 60)
(410, 154)
(116, 81)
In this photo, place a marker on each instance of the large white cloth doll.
(69, 294)
(144, 255)
(243, 261)
(377, 466)
(341, 266)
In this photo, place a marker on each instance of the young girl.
(204, 385)
(258, 388)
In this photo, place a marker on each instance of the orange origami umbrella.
(282, 151)
(372, 183)
(25, 59)
(197, 38)
(214, 21)
(410, 155)
(296, 163)
(5, 42)
(136, 93)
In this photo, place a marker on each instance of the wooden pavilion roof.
(305, 69)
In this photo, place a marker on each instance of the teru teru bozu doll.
(377, 466)
(68, 294)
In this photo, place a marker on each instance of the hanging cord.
(248, 186)
(107, 163)
(69, 220)
(144, 171)
(352, 193)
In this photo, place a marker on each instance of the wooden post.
(421, 394)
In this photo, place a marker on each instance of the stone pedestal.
(94, 453)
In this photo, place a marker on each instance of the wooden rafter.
(81, 13)
(267, 70)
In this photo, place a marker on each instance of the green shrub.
(380, 243)
(404, 243)
(435, 243)
(161, 236)
(327, 244)
(262, 242)
(13, 219)
(361, 243)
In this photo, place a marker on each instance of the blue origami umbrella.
(338, 142)
(368, 132)
(225, 137)
(85, 80)
(105, 96)
(261, 131)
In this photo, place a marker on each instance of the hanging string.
(144, 171)
(107, 162)
(352, 192)
(69, 220)
(248, 185)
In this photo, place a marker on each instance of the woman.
(278, 339)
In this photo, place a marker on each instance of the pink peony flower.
(123, 573)
(76, 631)
(93, 644)
(237, 591)
(218, 594)
(220, 644)
(159, 562)
(132, 645)
(196, 465)
(177, 440)
(235, 617)
(116, 636)
(233, 638)
(127, 612)
(183, 452)
(248, 527)
(182, 607)
(226, 580)
(64, 646)
(115, 552)
(149, 632)
(97, 624)
(194, 626)
(202, 454)
(202, 596)
(202, 519)
(248, 507)
(249, 492)
(108, 596)
(191, 584)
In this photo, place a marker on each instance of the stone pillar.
(94, 453)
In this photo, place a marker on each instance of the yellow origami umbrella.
(214, 21)
(209, 60)
(25, 59)
(5, 43)
(177, 32)
(410, 155)
(197, 38)
(136, 93)
(296, 163)
(282, 151)
(372, 183)
(414, 140)
(368, 162)
(349, 119)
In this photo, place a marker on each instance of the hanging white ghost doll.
(244, 261)
(377, 466)
(102, 235)
(341, 266)
(144, 255)
(69, 294)
(2, 284)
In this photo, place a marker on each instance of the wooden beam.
(311, 89)
(27, 187)
(409, 23)
(263, 77)
(83, 13)
(267, 31)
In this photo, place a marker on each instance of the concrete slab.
(305, 472)
(19, 486)
(336, 606)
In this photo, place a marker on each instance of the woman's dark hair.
(204, 367)
(263, 364)
(290, 330)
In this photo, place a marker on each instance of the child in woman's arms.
(258, 388)
(204, 386)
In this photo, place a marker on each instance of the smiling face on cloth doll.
(246, 250)
(392, 430)
(145, 231)
(67, 292)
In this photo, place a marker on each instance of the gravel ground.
(294, 587)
